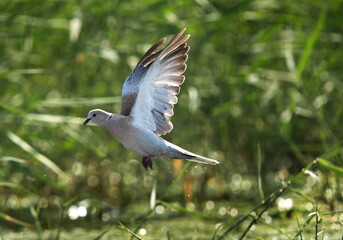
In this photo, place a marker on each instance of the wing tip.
(183, 30)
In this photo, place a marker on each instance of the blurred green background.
(263, 72)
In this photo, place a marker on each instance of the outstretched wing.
(132, 82)
(149, 93)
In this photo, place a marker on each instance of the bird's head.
(97, 117)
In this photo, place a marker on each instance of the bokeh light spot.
(222, 211)
(210, 205)
(82, 211)
(142, 231)
(159, 209)
(72, 212)
(93, 181)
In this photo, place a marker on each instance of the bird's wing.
(132, 82)
(150, 91)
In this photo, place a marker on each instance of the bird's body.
(149, 93)
(134, 136)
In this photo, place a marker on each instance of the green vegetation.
(263, 95)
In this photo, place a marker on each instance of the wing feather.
(180, 51)
(131, 84)
(156, 82)
(151, 52)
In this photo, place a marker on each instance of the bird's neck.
(115, 125)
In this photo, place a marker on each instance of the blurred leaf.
(259, 163)
(176, 179)
(48, 118)
(278, 229)
(74, 134)
(184, 210)
(15, 186)
(302, 194)
(21, 166)
(257, 238)
(80, 102)
(37, 223)
(41, 158)
(12, 159)
(40, 22)
(122, 226)
(310, 43)
(153, 195)
(326, 164)
(102, 234)
(220, 226)
(13, 220)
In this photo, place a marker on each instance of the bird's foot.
(146, 161)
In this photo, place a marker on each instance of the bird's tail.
(181, 153)
(200, 159)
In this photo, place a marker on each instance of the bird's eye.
(94, 114)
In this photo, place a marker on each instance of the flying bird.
(148, 96)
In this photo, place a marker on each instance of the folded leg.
(146, 161)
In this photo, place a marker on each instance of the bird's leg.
(146, 161)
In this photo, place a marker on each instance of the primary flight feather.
(148, 95)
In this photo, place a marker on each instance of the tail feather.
(200, 159)
(177, 152)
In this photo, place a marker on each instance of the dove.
(148, 96)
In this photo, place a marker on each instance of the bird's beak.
(87, 120)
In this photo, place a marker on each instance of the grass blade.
(37, 223)
(279, 230)
(176, 179)
(257, 238)
(15, 186)
(40, 157)
(168, 234)
(79, 102)
(185, 210)
(259, 163)
(326, 164)
(268, 202)
(301, 194)
(12, 159)
(14, 220)
(310, 44)
(304, 226)
(331, 212)
(49, 118)
(153, 196)
(21, 165)
(102, 234)
(220, 226)
(70, 131)
(301, 237)
(147, 215)
(122, 226)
